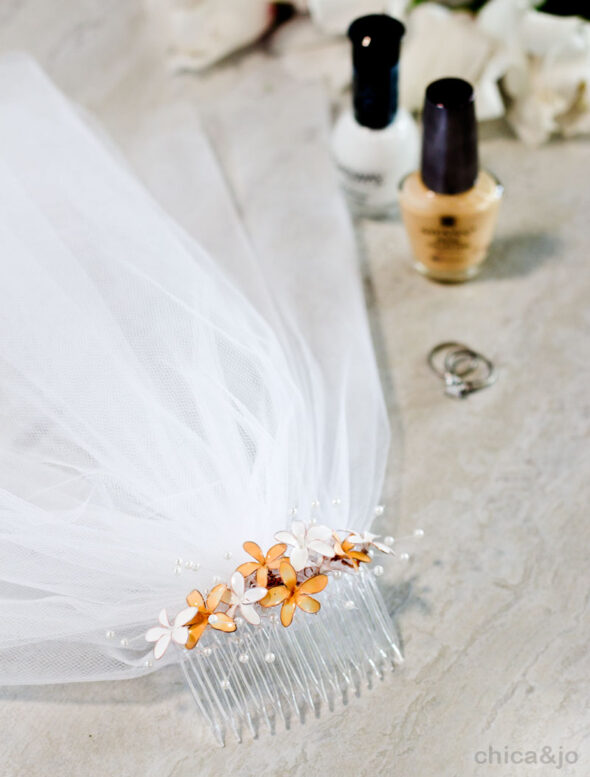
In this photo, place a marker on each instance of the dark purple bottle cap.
(449, 142)
(376, 43)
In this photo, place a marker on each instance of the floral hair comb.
(245, 668)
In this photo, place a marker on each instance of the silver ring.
(462, 370)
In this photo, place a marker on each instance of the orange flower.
(345, 552)
(263, 564)
(292, 595)
(205, 615)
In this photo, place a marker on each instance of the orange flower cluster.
(269, 580)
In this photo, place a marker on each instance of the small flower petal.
(286, 537)
(223, 622)
(275, 553)
(184, 616)
(180, 635)
(214, 596)
(237, 584)
(318, 546)
(313, 585)
(287, 611)
(308, 603)
(298, 558)
(195, 633)
(195, 599)
(248, 567)
(162, 645)
(275, 596)
(154, 634)
(253, 549)
(298, 530)
(319, 532)
(250, 614)
(253, 595)
(288, 575)
(163, 619)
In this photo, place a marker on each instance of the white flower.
(366, 538)
(244, 600)
(306, 540)
(165, 633)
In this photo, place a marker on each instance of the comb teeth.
(263, 674)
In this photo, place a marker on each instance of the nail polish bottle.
(377, 143)
(450, 206)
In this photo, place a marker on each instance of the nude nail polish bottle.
(450, 206)
(377, 143)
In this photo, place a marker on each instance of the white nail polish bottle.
(376, 144)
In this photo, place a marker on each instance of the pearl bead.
(336, 502)
(315, 503)
(188, 564)
(418, 533)
(337, 574)
(239, 621)
(207, 652)
(379, 510)
(124, 642)
(293, 511)
(227, 555)
(313, 521)
(110, 634)
(389, 540)
(224, 684)
(148, 664)
(270, 657)
(349, 605)
(243, 658)
(212, 619)
(195, 565)
(177, 570)
(178, 562)
(404, 556)
(378, 571)
(216, 580)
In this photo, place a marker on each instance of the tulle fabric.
(166, 395)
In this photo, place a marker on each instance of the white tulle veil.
(166, 395)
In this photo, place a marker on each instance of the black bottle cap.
(375, 56)
(449, 142)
